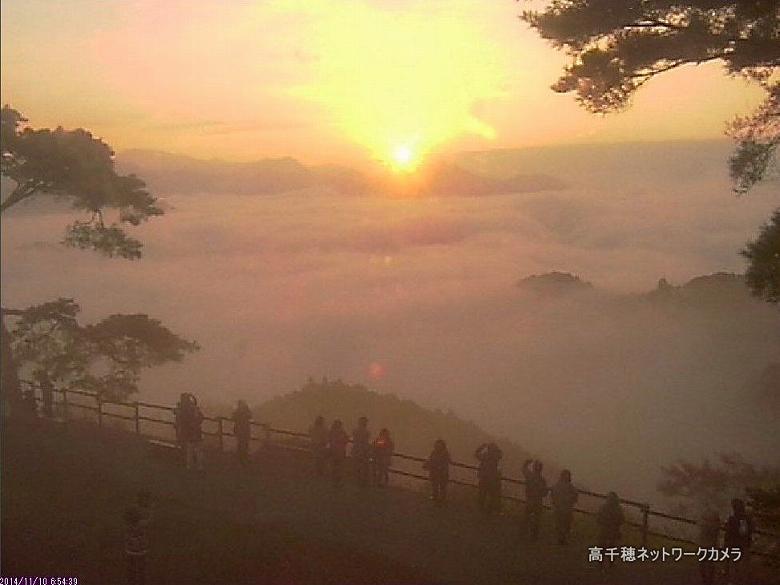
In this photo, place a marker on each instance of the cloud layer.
(279, 287)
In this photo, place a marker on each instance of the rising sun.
(404, 159)
(399, 85)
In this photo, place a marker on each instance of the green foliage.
(763, 254)
(75, 165)
(106, 357)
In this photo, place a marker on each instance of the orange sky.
(323, 80)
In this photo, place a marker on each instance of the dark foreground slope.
(64, 490)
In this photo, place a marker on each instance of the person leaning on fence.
(610, 519)
(242, 429)
(709, 529)
(382, 456)
(337, 449)
(738, 535)
(535, 492)
(361, 451)
(489, 477)
(318, 437)
(563, 495)
(438, 466)
(136, 547)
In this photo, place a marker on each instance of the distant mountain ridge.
(172, 173)
(718, 286)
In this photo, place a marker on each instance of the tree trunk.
(10, 389)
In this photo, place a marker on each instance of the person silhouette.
(489, 477)
(188, 422)
(382, 455)
(438, 466)
(337, 449)
(610, 519)
(318, 437)
(535, 492)
(242, 429)
(564, 495)
(738, 535)
(136, 547)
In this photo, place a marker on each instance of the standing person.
(189, 420)
(361, 451)
(738, 534)
(709, 527)
(318, 436)
(564, 495)
(382, 454)
(610, 519)
(136, 547)
(489, 476)
(438, 466)
(242, 429)
(535, 492)
(337, 448)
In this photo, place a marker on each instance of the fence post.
(645, 519)
(137, 419)
(221, 436)
(100, 409)
(65, 403)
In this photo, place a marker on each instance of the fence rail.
(267, 431)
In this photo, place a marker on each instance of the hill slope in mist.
(413, 427)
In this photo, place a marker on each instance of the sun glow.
(404, 159)
(399, 84)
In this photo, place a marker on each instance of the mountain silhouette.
(172, 173)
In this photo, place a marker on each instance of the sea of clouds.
(418, 297)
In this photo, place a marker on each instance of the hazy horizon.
(280, 271)
(277, 287)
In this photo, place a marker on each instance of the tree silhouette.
(105, 358)
(76, 166)
(716, 483)
(616, 46)
(763, 254)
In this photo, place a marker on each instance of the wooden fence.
(139, 412)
